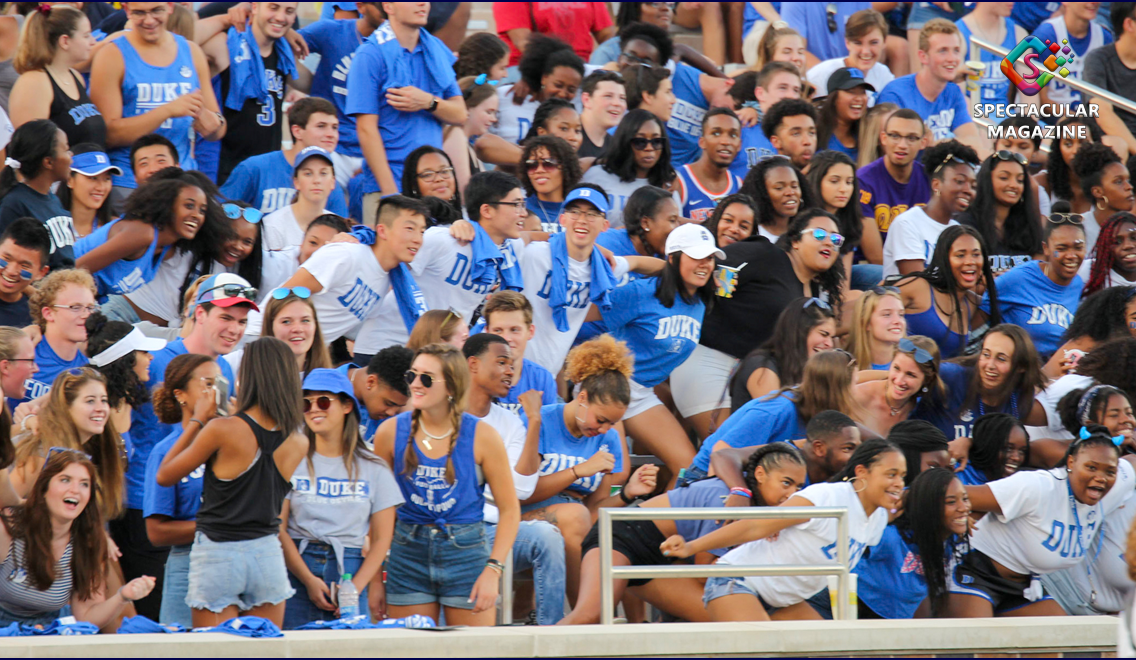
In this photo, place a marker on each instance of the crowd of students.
(486, 286)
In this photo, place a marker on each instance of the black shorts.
(976, 575)
(638, 540)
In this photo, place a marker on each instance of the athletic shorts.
(638, 540)
(642, 399)
(976, 575)
(699, 384)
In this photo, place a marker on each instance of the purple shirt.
(884, 198)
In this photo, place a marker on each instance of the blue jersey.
(890, 578)
(179, 501)
(50, 365)
(944, 115)
(972, 476)
(336, 42)
(685, 125)
(560, 450)
(1028, 298)
(122, 276)
(381, 64)
(1030, 15)
(994, 86)
(1055, 30)
(430, 499)
(533, 377)
(548, 213)
(696, 202)
(755, 147)
(146, 87)
(834, 144)
(660, 337)
(265, 182)
(811, 20)
(772, 418)
(145, 429)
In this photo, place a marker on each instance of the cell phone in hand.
(221, 390)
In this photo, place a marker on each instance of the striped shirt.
(20, 597)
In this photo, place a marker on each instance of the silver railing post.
(607, 596)
(507, 591)
(844, 583)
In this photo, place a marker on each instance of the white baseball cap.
(693, 240)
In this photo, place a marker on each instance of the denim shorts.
(716, 587)
(43, 619)
(175, 586)
(432, 564)
(242, 573)
(559, 498)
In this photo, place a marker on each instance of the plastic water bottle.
(348, 598)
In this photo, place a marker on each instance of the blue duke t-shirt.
(180, 501)
(944, 115)
(560, 450)
(50, 365)
(660, 337)
(265, 182)
(336, 42)
(685, 125)
(772, 418)
(1044, 309)
(755, 148)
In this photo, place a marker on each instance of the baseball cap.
(226, 290)
(590, 195)
(312, 152)
(93, 163)
(848, 78)
(331, 380)
(693, 240)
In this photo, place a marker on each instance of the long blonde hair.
(870, 127)
(40, 36)
(436, 326)
(455, 373)
(860, 338)
(57, 429)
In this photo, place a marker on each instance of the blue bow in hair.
(1116, 439)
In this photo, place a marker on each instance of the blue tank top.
(430, 499)
(122, 276)
(994, 86)
(698, 202)
(928, 324)
(145, 87)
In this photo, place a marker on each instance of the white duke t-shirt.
(352, 284)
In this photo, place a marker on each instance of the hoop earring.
(854, 480)
(1100, 205)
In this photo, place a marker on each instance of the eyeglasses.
(17, 360)
(574, 214)
(65, 450)
(821, 234)
(661, 5)
(483, 79)
(635, 59)
(880, 290)
(302, 292)
(430, 176)
(817, 302)
(321, 402)
(410, 376)
(922, 356)
(830, 15)
(234, 211)
(24, 274)
(548, 163)
(79, 309)
(1066, 219)
(641, 143)
(909, 139)
(232, 291)
(1006, 154)
(519, 206)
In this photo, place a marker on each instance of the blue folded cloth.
(64, 626)
(361, 622)
(489, 260)
(245, 626)
(246, 68)
(603, 281)
(137, 625)
(411, 302)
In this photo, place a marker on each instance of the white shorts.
(699, 384)
(642, 399)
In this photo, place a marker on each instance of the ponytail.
(39, 38)
(31, 144)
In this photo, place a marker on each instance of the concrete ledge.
(1027, 636)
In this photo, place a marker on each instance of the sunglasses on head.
(233, 291)
(410, 376)
(1066, 219)
(302, 292)
(851, 358)
(321, 402)
(548, 163)
(234, 211)
(821, 234)
(24, 274)
(63, 450)
(641, 143)
(1006, 154)
(880, 289)
(922, 356)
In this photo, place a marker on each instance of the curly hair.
(849, 217)
(602, 366)
(831, 281)
(123, 384)
(478, 53)
(948, 153)
(178, 372)
(50, 287)
(650, 34)
(543, 55)
(1102, 315)
(786, 108)
(1102, 256)
(1089, 164)
(772, 456)
(1112, 363)
(557, 149)
(720, 210)
(389, 365)
(1058, 172)
(544, 112)
(754, 186)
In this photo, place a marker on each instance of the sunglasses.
(830, 15)
(642, 143)
(1005, 154)
(880, 290)
(63, 450)
(548, 163)
(232, 291)
(301, 292)
(410, 376)
(820, 234)
(922, 356)
(322, 402)
(943, 164)
(234, 211)
(818, 302)
(24, 274)
(1066, 219)
(851, 358)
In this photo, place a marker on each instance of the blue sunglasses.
(301, 292)
(234, 211)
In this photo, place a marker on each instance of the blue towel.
(66, 626)
(245, 626)
(411, 302)
(138, 625)
(361, 622)
(489, 260)
(439, 60)
(603, 281)
(246, 68)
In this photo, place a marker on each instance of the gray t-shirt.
(1104, 69)
(617, 191)
(331, 509)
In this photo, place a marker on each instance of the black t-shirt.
(739, 393)
(759, 280)
(15, 314)
(255, 129)
(23, 202)
(589, 148)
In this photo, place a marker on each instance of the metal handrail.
(608, 572)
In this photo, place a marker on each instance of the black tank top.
(255, 128)
(79, 119)
(247, 507)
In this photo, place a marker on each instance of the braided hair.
(455, 374)
(544, 112)
(1102, 256)
(769, 457)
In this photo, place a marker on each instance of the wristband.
(199, 422)
(495, 565)
(626, 500)
(574, 472)
(24, 421)
(743, 492)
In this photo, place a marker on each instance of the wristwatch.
(434, 104)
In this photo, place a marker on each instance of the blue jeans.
(118, 308)
(540, 546)
(866, 276)
(690, 475)
(176, 586)
(320, 560)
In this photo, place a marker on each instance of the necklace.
(894, 409)
(445, 436)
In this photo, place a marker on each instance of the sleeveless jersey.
(78, 118)
(255, 129)
(430, 499)
(994, 86)
(696, 202)
(1058, 91)
(122, 276)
